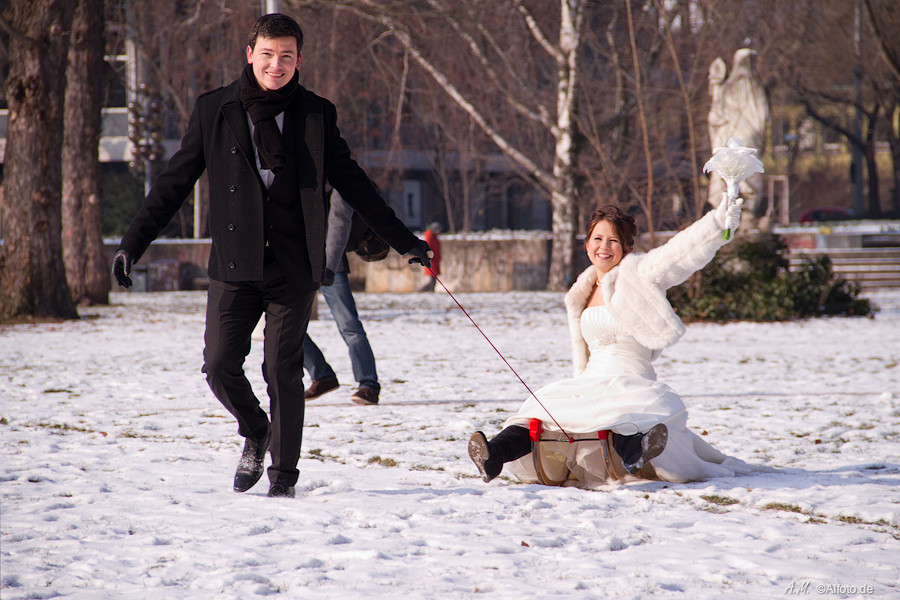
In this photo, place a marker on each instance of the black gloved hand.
(121, 268)
(328, 279)
(421, 253)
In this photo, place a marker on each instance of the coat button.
(234, 150)
(232, 266)
(232, 189)
(231, 227)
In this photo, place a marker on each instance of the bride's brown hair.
(621, 223)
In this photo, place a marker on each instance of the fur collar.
(635, 289)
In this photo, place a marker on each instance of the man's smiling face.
(274, 61)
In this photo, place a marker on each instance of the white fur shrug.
(635, 289)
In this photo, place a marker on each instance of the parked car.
(828, 213)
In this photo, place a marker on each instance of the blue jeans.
(343, 309)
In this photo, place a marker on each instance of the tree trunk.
(872, 168)
(894, 145)
(32, 274)
(647, 203)
(565, 216)
(86, 269)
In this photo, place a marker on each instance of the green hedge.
(750, 281)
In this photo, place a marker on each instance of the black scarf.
(263, 106)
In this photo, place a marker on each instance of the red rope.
(570, 438)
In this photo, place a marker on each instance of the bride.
(619, 321)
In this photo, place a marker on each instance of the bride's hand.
(728, 213)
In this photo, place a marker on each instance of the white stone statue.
(739, 109)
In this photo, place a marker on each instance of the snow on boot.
(639, 449)
(480, 453)
(250, 467)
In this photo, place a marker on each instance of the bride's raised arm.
(691, 249)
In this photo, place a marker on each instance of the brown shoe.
(365, 395)
(321, 387)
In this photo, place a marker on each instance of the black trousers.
(511, 444)
(232, 312)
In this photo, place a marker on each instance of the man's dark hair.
(275, 25)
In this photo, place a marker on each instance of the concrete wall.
(475, 263)
(467, 265)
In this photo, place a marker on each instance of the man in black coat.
(269, 146)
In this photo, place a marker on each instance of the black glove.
(328, 279)
(421, 253)
(121, 268)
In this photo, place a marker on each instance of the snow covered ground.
(116, 464)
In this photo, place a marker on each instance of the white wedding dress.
(617, 391)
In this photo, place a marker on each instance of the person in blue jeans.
(343, 308)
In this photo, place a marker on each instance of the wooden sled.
(610, 459)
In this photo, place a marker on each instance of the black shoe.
(479, 451)
(644, 447)
(320, 387)
(281, 490)
(250, 467)
(365, 395)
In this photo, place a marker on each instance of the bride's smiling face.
(604, 248)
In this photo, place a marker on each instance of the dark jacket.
(242, 216)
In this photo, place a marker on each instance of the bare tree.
(884, 20)
(86, 269)
(459, 156)
(839, 61)
(182, 50)
(32, 274)
(498, 42)
(641, 111)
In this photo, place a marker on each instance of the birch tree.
(533, 76)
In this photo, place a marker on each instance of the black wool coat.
(218, 140)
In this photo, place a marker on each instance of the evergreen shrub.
(751, 282)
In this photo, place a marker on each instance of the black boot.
(639, 449)
(250, 467)
(512, 443)
(281, 490)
